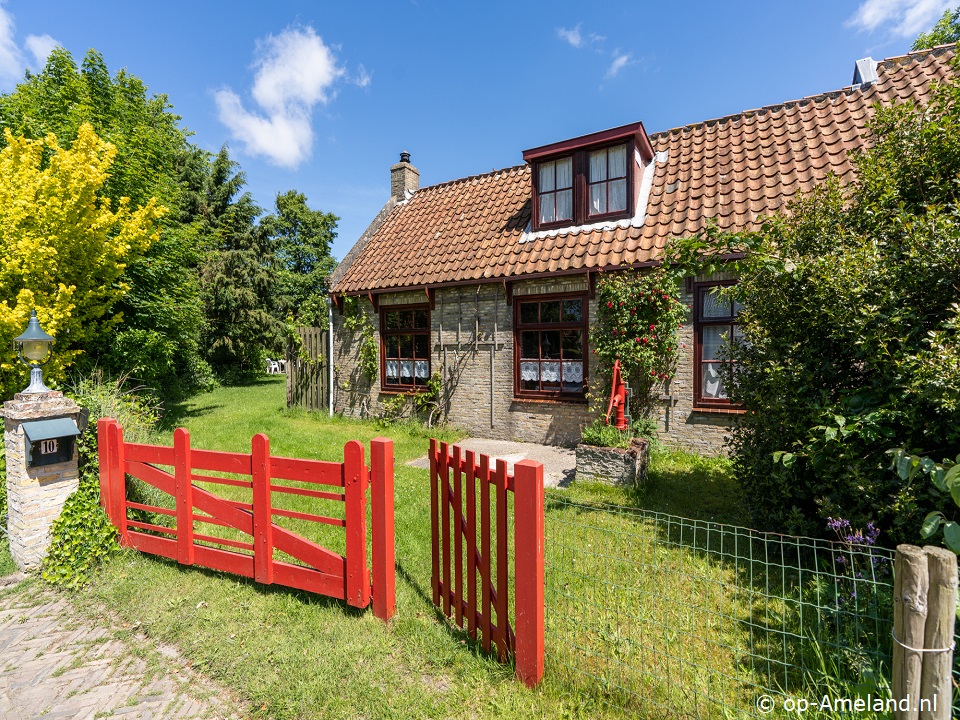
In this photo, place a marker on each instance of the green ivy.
(83, 536)
(355, 319)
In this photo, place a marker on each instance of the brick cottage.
(489, 279)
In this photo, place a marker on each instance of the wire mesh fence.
(661, 616)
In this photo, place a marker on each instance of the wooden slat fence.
(308, 382)
(346, 577)
(460, 483)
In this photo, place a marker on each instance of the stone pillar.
(35, 495)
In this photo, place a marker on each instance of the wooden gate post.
(529, 573)
(936, 679)
(103, 452)
(184, 497)
(118, 484)
(262, 510)
(381, 509)
(355, 492)
(924, 617)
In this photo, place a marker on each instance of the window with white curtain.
(551, 341)
(591, 184)
(716, 328)
(405, 347)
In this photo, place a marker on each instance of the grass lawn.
(291, 654)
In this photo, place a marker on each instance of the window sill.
(720, 411)
(550, 401)
(403, 391)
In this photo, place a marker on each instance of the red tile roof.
(734, 170)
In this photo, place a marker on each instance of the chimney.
(404, 178)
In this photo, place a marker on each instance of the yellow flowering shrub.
(63, 248)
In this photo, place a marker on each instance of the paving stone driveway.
(58, 663)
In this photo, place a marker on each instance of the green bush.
(852, 341)
(83, 535)
(599, 434)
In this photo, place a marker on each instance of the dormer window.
(590, 179)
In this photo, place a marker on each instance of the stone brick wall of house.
(473, 323)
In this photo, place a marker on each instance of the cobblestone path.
(57, 663)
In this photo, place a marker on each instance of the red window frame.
(606, 182)
(701, 322)
(581, 326)
(560, 222)
(581, 187)
(416, 384)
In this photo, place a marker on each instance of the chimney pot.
(405, 156)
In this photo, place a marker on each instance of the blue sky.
(323, 96)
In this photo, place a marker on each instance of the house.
(489, 279)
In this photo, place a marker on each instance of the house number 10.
(48, 447)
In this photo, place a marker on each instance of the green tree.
(162, 313)
(852, 337)
(236, 277)
(301, 240)
(947, 30)
(63, 246)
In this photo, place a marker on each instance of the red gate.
(479, 542)
(322, 571)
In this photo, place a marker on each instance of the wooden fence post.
(529, 572)
(435, 521)
(118, 483)
(104, 454)
(911, 584)
(262, 510)
(936, 687)
(183, 484)
(355, 485)
(381, 508)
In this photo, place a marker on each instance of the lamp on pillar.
(33, 349)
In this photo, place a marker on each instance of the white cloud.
(11, 59)
(295, 72)
(906, 18)
(362, 78)
(40, 47)
(620, 61)
(573, 37)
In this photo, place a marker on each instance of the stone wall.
(472, 344)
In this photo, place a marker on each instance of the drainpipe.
(330, 353)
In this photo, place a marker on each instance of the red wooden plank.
(319, 494)
(262, 522)
(309, 580)
(458, 530)
(471, 481)
(355, 479)
(528, 556)
(103, 450)
(154, 545)
(434, 522)
(502, 559)
(222, 481)
(218, 461)
(308, 516)
(239, 544)
(118, 483)
(184, 496)
(152, 476)
(294, 545)
(151, 509)
(381, 510)
(485, 548)
(150, 526)
(311, 471)
(156, 454)
(225, 560)
(444, 467)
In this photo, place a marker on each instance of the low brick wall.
(615, 466)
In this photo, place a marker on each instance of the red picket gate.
(345, 577)
(525, 640)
